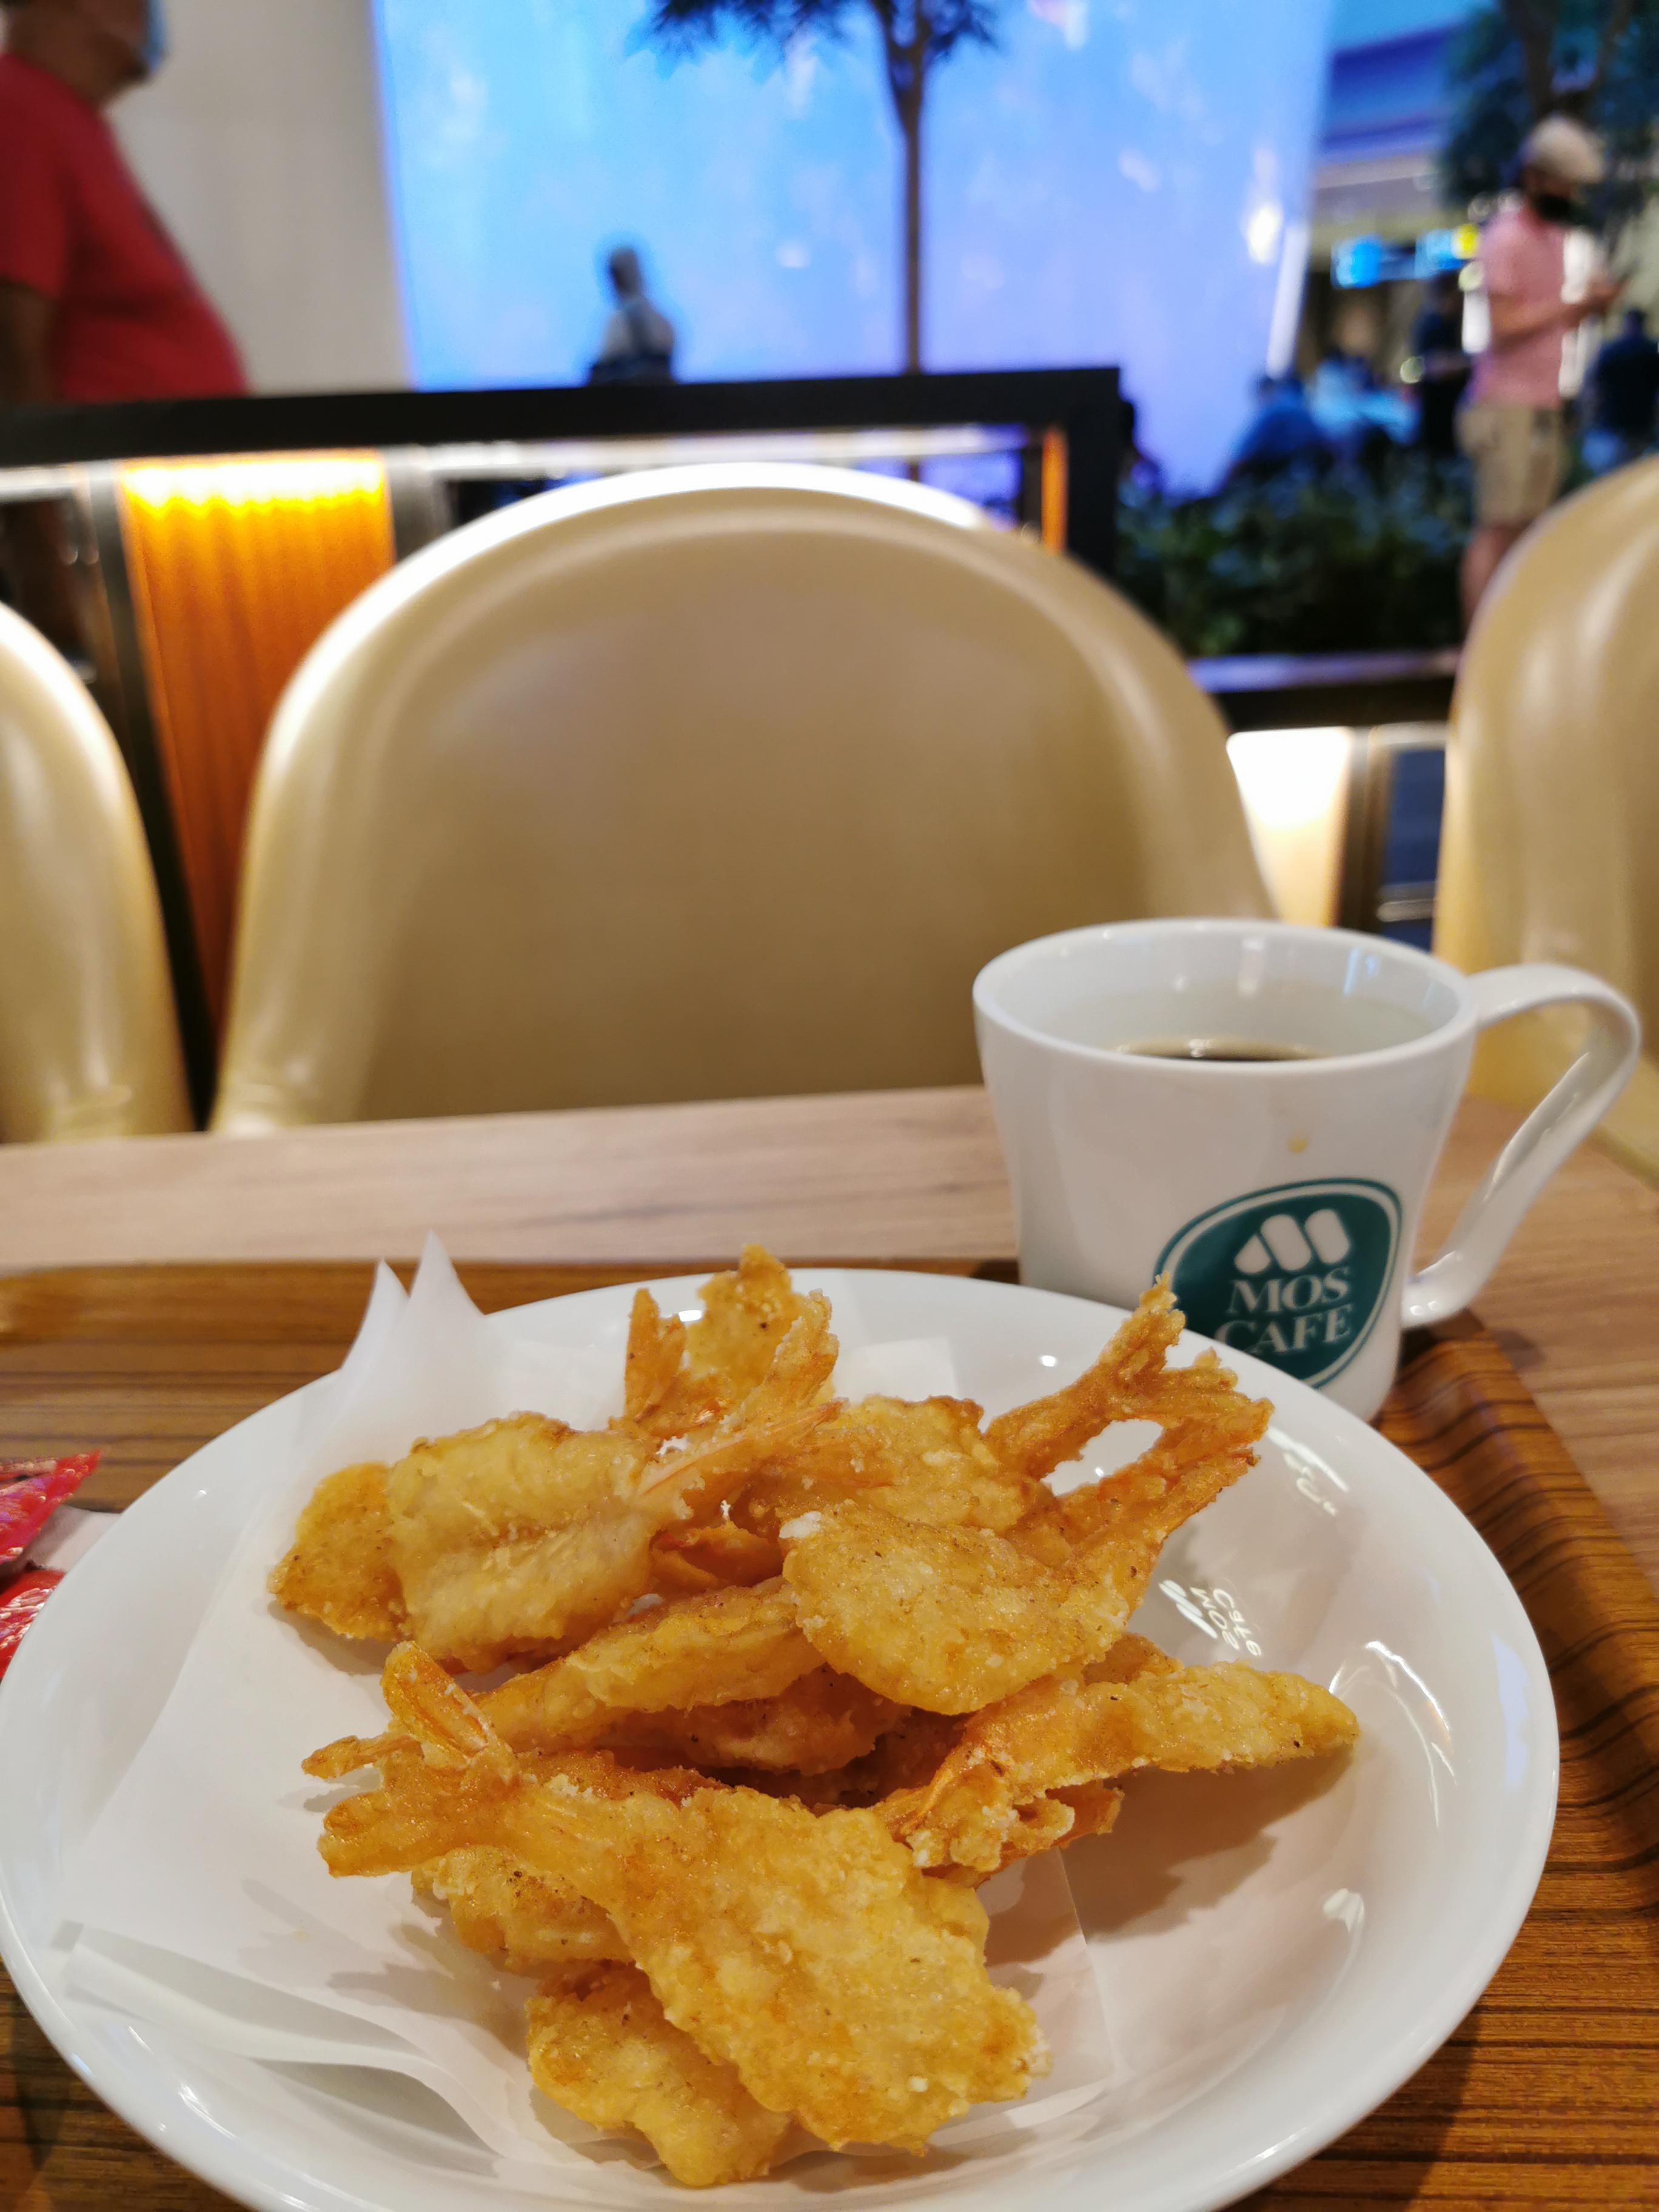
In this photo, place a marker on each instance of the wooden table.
(898, 1174)
(93, 1351)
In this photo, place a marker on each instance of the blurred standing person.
(1623, 396)
(1511, 422)
(1444, 367)
(96, 302)
(638, 345)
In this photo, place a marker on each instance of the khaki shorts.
(1519, 459)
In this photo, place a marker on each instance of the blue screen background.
(1115, 182)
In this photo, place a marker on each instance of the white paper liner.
(201, 1899)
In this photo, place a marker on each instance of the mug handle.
(1559, 1123)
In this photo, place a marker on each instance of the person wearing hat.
(1511, 422)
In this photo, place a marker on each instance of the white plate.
(1276, 1952)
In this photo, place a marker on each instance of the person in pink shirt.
(1509, 424)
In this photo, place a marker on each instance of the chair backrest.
(718, 782)
(89, 1039)
(1553, 783)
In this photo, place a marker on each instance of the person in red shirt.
(96, 302)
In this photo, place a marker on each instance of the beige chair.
(1552, 787)
(713, 782)
(88, 1040)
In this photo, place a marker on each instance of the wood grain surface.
(879, 1176)
(1547, 2096)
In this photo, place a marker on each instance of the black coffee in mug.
(1201, 1049)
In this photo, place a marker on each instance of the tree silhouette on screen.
(916, 36)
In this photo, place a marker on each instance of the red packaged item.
(31, 1492)
(20, 1601)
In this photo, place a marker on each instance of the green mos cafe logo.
(1295, 1275)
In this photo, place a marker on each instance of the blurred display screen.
(1114, 181)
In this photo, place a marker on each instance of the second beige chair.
(1552, 787)
(88, 1042)
(713, 782)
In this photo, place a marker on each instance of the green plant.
(1341, 563)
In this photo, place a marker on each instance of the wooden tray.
(1546, 2095)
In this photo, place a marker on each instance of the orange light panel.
(237, 566)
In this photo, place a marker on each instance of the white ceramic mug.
(1282, 1196)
